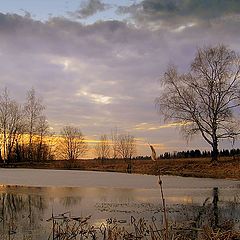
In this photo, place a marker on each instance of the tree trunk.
(214, 151)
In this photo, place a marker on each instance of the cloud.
(97, 98)
(101, 75)
(89, 8)
(154, 127)
(157, 14)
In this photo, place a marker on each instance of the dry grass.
(65, 227)
(219, 234)
(197, 167)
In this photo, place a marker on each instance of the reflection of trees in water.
(71, 197)
(126, 194)
(213, 212)
(218, 212)
(70, 201)
(231, 211)
(20, 212)
(10, 205)
(24, 211)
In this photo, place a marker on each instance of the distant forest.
(193, 154)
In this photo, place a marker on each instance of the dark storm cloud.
(89, 8)
(102, 75)
(172, 13)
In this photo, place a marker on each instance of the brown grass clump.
(219, 234)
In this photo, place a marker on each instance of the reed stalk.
(166, 233)
(154, 158)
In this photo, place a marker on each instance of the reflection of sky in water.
(31, 206)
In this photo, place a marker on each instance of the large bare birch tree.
(206, 98)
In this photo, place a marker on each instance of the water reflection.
(70, 197)
(24, 210)
(20, 213)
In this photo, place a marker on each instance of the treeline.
(198, 154)
(25, 135)
(72, 145)
(191, 154)
(23, 129)
(116, 146)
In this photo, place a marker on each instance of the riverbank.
(196, 167)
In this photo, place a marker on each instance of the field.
(195, 167)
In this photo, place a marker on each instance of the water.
(29, 197)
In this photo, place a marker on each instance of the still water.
(28, 198)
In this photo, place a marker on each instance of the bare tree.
(114, 143)
(33, 113)
(43, 131)
(16, 121)
(126, 146)
(72, 144)
(15, 125)
(4, 116)
(103, 148)
(10, 123)
(204, 100)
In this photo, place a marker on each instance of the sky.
(98, 64)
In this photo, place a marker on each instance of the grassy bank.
(197, 167)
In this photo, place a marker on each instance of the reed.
(166, 233)
(66, 227)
